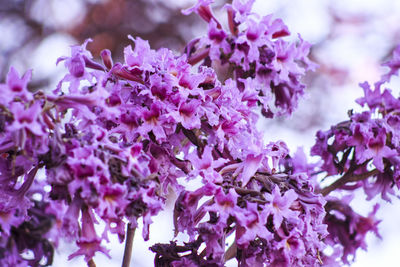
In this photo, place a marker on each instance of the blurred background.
(350, 39)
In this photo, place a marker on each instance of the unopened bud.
(107, 59)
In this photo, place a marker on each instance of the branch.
(128, 245)
(347, 178)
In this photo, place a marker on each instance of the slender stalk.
(245, 191)
(231, 252)
(130, 233)
(194, 59)
(91, 263)
(347, 178)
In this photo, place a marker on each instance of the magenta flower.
(80, 58)
(113, 201)
(206, 165)
(15, 86)
(292, 248)
(27, 119)
(141, 58)
(394, 66)
(279, 206)
(377, 150)
(89, 242)
(153, 121)
(224, 206)
(202, 8)
(188, 115)
(248, 168)
(251, 224)
(8, 219)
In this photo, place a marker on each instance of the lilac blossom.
(279, 206)
(115, 138)
(258, 53)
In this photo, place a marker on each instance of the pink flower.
(206, 165)
(89, 243)
(15, 86)
(251, 224)
(377, 150)
(27, 119)
(279, 206)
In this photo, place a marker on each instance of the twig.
(245, 191)
(347, 178)
(128, 245)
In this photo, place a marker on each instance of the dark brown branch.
(128, 245)
(245, 191)
(347, 178)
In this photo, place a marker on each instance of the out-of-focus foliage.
(25, 25)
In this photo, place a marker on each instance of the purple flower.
(359, 137)
(149, 202)
(141, 58)
(186, 212)
(299, 162)
(293, 248)
(224, 206)
(394, 66)
(348, 228)
(70, 224)
(279, 206)
(377, 100)
(241, 9)
(206, 165)
(251, 224)
(113, 201)
(383, 185)
(214, 33)
(202, 8)
(276, 151)
(248, 168)
(80, 57)
(321, 149)
(188, 115)
(377, 150)
(27, 119)
(8, 219)
(15, 86)
(371, 98)
(153, 121)
(89, 242)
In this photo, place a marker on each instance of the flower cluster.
(365, 150)
(113, 138)
(275, 219)
(254, 52)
